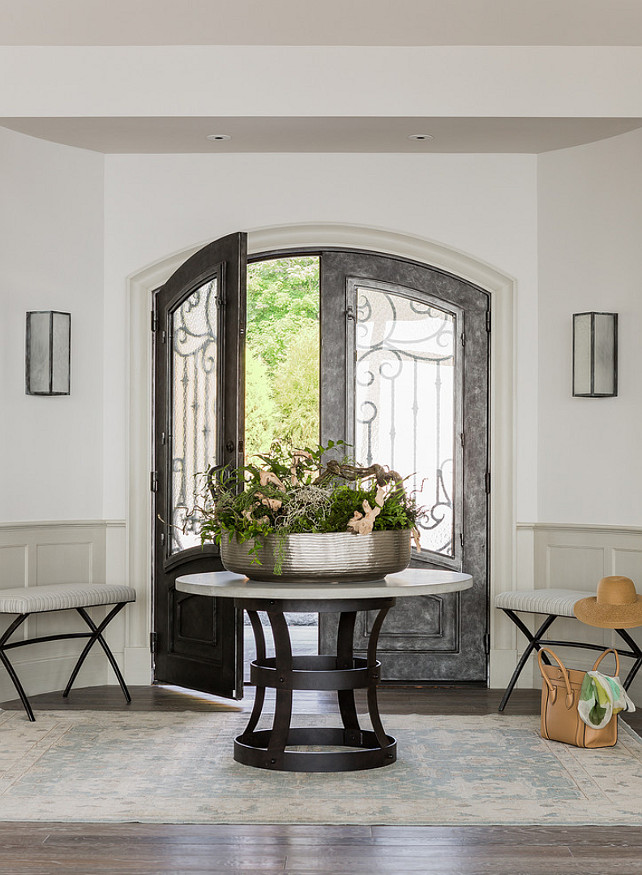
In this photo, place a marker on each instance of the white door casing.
(502, 289)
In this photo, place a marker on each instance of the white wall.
(51, 252)
(569, 221)
(484, 205)
(590, 258)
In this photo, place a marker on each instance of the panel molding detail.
(41, 552)
(565, 556)
(604, 550)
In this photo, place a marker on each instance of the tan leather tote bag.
(560, 695)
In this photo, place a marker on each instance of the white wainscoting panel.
(14, 564)
(41, 553)
(38, 553)
(571, 557)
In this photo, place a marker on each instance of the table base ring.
(252, 749)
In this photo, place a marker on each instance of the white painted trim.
(33, 524)
(581, 528)
(502, 289)
(573, 556)
(76, 551)
(50, 673)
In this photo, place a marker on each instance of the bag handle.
(553, 690)
(617, 660)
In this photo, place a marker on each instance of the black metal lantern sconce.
(594, 355)
(48, 353)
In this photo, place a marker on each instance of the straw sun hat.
(616, 605)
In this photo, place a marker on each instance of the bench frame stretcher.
(95, 635)
(535, 643)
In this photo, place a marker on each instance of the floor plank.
(152, 849)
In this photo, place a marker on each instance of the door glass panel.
(194, 406)
(282, 353)
(405, 403)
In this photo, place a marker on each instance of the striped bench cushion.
(61, 597)
(542, 601)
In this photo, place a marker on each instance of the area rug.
(177, 768)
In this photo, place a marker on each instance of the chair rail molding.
(500, 286)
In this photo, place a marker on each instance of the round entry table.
(343, 672)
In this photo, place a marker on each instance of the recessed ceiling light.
(420, 137)
(218, 137)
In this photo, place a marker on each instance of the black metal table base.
(536, 642)
(95, 635)
(344, 673)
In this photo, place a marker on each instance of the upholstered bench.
(553, 603)
(46, 599)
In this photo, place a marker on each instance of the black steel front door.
(199, 325)
(404, 380)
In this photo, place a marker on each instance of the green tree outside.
(282, 353)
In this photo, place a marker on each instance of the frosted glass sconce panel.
(594, 355)
(48, 353)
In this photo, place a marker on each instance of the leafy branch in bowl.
(296, 491)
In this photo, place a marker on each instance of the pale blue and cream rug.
(178, 768)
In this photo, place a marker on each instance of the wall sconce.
(48, 355)
(594, 355)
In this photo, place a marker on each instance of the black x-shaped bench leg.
(10, 669)
(535, 643)
(95, 635)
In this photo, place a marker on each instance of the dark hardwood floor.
(36, 848)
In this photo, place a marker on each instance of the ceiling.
(321, 22)
(316, 23)
(189, 135)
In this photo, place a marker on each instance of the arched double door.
(403, 378)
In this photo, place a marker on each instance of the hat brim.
(609, 616)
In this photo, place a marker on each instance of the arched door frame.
(500, 286)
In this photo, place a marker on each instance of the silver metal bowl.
(332, 557)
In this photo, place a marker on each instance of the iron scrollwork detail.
(194, 345)
(405, 358)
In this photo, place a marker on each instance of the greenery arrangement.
(299, 491)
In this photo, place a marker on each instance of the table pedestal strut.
(266, 749)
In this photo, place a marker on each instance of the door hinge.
(153, 640)
(461, 540)
(463, 339)
(487, 320)
(462, 438)
(154, 320)
(153, 481)
(487, 482)
(487, 643)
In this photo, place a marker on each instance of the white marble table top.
(411, 582)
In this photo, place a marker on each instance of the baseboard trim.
(49, 674)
